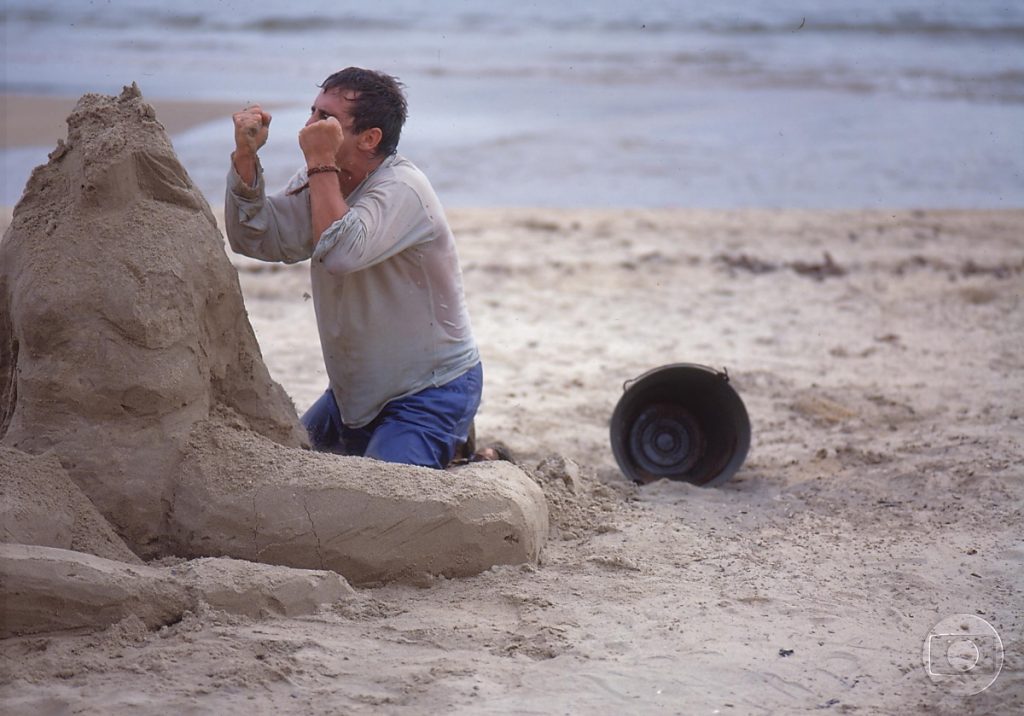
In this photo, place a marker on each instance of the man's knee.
(323, 423)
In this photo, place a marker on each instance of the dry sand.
(882, 494)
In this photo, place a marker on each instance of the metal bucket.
(680, 422)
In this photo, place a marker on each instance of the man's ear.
(370, 139)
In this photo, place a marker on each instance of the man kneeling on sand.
(404, 371)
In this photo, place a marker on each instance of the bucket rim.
(669, 367)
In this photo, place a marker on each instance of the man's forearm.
(327, 205)
(245, 166)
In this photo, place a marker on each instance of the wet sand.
(39, 121)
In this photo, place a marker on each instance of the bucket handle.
(723, 374)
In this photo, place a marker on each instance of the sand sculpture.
(126, 355)
(49, 589)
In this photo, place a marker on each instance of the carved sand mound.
(126, 353)
(126, 323)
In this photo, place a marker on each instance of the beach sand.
(879, 355)
(882, 494)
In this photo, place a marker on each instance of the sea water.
(654, 103)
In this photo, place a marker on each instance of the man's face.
(337, 104)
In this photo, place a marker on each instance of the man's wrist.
(314, 169)
(320, 161)
(243, 155)
(246, 166)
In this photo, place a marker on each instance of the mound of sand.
(370, 521)
(127, 324)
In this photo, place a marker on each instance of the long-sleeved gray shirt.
(386, 283)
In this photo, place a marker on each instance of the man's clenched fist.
(320, 141)
(252, 126)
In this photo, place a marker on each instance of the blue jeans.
(424, 428)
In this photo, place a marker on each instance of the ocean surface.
(732, 103)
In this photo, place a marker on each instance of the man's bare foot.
(495, 451)
(486, 454)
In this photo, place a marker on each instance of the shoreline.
(32, 124)
(40, 120)
(464, 216)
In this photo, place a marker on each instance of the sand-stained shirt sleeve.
(270, 228)
(385, 220)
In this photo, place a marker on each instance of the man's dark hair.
(379, 102)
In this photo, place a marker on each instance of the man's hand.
(252, 127)
(320, 141)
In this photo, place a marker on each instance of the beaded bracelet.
(321, 169)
